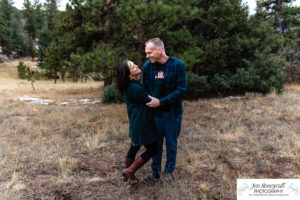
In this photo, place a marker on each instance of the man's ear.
(160, 50)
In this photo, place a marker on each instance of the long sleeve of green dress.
(140, 94)
(141, 121)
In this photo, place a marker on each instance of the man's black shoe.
(152, 178)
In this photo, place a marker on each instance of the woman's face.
(133, 68)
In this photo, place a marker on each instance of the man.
(168, 108)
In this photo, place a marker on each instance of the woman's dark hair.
(123, 76)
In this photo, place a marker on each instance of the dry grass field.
(76, 150)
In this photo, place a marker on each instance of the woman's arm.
(139, 93)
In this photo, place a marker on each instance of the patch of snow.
(73, 100)
(34, 100)
(3, 58)
(88, 101)
(47, 101)
(229, 98)
(84, 100)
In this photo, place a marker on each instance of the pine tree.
(18, 38)
(222, 47)
(51, 13)
(39, 16)
(83, 26)
(14, 34)
(5, 21)
(4, 37)
(285, 19)
(6, 10)
(28, 13)
(33, 23)
(49, 45)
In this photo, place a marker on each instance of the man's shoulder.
(176, 60)
(147, 64)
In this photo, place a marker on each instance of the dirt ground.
(71, 148)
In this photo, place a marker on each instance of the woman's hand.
(160, 74)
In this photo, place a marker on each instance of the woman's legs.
(130, 157)
(132, 152)
(151, 150)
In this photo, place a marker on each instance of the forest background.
(225, 50)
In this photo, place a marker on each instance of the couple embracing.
(154, 110)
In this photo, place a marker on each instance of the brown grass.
(13, 87)
(76, 151)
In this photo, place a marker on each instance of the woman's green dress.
(142, 129)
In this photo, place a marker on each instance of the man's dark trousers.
(168, 127)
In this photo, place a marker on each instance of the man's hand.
(154, 103)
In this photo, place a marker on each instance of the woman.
(142, 130)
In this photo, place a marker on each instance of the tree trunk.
(32, 86)
(55, 77)
(107, 81)
(277, 14)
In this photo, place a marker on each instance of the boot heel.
(124, 175)
(128, 162)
